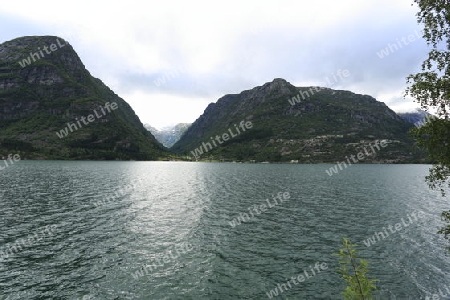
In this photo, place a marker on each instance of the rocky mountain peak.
(278, 86)
(46, 91)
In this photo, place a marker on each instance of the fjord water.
(98, 252)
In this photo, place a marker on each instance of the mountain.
(304, 124)
(417, 117)
(168, 136)
(52, 108)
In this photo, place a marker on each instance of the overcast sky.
(170, 59)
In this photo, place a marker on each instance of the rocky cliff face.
(44, 86)
(417, 117)
(169, 135)
(305, 124)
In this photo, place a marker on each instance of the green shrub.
(353, 270)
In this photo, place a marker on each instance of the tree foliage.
(434, 138)
(431, 89)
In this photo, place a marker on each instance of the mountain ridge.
(323, 125)
(55, 90)
(168, 135)
(417, 117)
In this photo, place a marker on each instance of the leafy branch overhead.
(431, 89)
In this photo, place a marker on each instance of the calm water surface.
(169, 232)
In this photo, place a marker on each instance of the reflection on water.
(162, 230)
